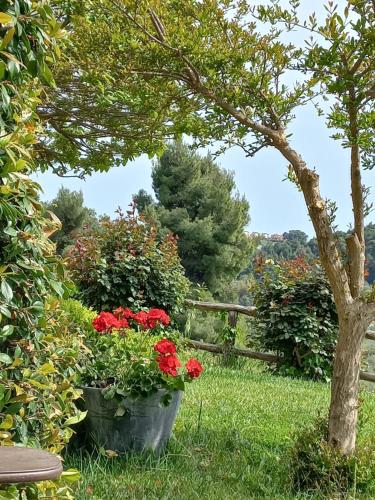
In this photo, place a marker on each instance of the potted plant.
(133, 380)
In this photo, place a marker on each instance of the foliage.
(73, 215)
(296, 317)
(293, 243)
(317, 467)
(196, 203)
(78, 314)
(135, 363)
(60, 489)
(123, 261)
(38, 383)
(37, 355)
(157, 70)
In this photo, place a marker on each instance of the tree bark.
(343, 415)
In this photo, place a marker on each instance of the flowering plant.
(136, 354)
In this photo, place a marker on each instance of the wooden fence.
(228, 347)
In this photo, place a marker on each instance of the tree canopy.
(197, 202)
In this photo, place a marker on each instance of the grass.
(230, 441)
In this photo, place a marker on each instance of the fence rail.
(228, 347)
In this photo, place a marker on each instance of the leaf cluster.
(123, 261)
(124, 364)
(296, 317)
(37, 354)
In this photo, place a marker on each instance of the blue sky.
(275, 206)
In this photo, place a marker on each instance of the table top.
(27, 465)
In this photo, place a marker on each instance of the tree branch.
(354, 254)
(329, 253)
(356, 246)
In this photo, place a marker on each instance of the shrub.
(296, 317)
(124, 262)
(37, 360)
(317, 467)
(38, 383)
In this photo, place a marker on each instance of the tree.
(143, 200)
(68, 208)
(218, 71)
(196, 202)
(292, 244)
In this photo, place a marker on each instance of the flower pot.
(146, 424)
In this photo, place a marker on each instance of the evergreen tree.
(69, 208)
(197, 202)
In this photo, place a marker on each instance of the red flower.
(126, 313)
(168, 364)
(194, 368)
(105, 321)
(123, 323)
(141, 318)
(156, 317)
(165, 346)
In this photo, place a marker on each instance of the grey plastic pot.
(146, 424)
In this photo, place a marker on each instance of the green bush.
(296, 317)
(316, 467)
(123, 262)
(38, 383)
(37, 356)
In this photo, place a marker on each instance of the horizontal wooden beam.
(247, 353)
(218, 306)
(369, 377)
(219, 349)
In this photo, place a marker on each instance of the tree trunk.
(343, 414)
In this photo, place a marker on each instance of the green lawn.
(229, 442)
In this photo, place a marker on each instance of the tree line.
(196, 200)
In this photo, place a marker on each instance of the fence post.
(230, 338)
(232, 323)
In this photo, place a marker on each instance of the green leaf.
(5, 18)
(71, 475)
(6, 291)
(5, 359)
(6, 331)
(8, 37)
(3, 68)
(76, 418)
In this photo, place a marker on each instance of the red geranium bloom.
(158, 316)
(168, 364)
(105, 321)
(194, 368)
(123, 323)
(122, 312)
(141, 318)
(165, 346)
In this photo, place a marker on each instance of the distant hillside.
(295, 243)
